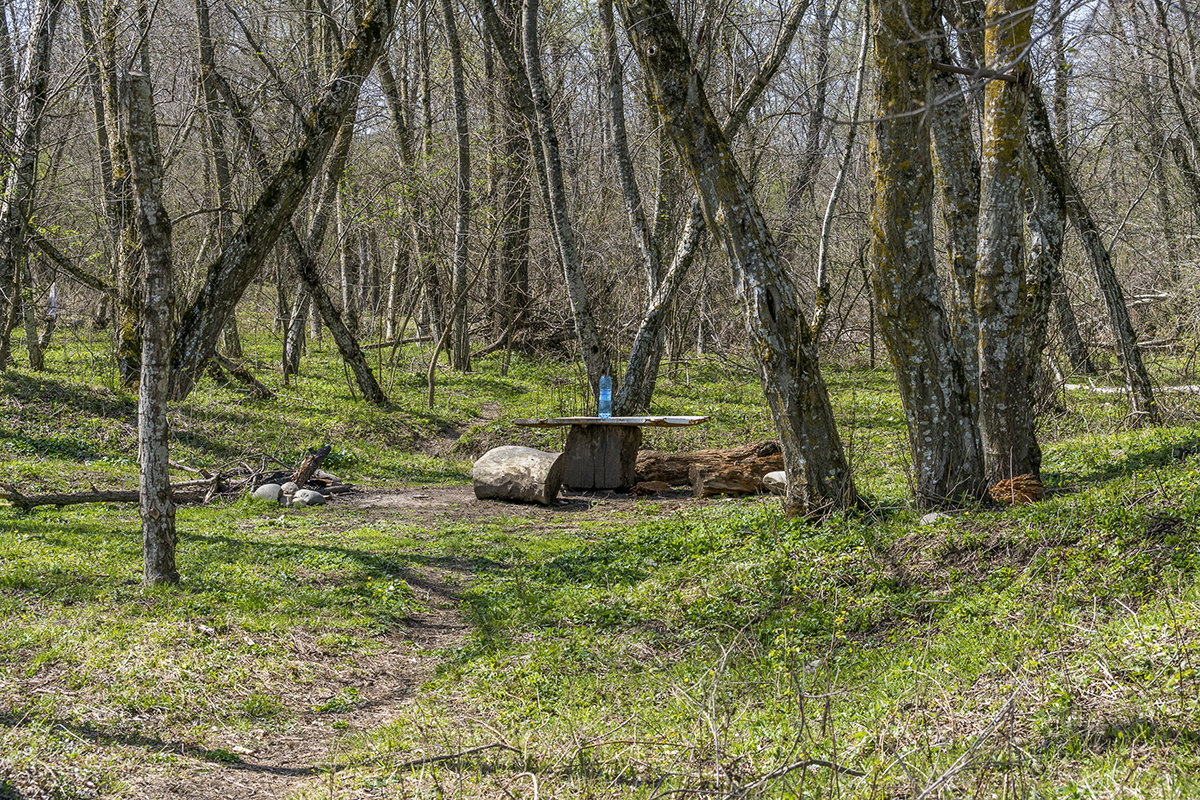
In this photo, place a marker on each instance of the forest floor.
(407, 640)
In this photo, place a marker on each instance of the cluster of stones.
(289, 494)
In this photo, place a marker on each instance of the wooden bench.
(601, 452)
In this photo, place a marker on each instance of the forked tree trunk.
(241, 258)
(934, 390)
(819, 479)
(645, 355)
(16, 205)
(154, 229)
(1005, 411)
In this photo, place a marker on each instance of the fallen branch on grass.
(26, 502)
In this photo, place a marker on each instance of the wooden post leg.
(602, 456)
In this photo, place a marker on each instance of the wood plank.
(652, 421)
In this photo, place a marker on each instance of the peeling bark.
(934, 390)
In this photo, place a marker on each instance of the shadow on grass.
(1160, 455)
(155, 744)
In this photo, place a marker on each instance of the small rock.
(775, 482)
(268, 491)
(308, 497)
(932, 517)
(290, 488)
(645, 488)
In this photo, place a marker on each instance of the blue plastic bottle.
(605, 396)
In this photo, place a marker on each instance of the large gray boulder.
(518, 473)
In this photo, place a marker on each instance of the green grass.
(1049, 650)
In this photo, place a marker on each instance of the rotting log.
(755, 459)
(708, 481)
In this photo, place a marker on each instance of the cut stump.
(602, 456)
(518, 473)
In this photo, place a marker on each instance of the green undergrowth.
(1042, 651)
(657, 648)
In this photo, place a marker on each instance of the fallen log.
(754, 460)
(518, 473)
(707, 481)
(26, 502)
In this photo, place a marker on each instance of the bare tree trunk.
(934, 390)
(16, 206)
(351, 267)
(1005, 412)
(645, 355)
(240, 259)
(154, 227)
(1137, 379)
(461, 350)
(127, 297)
(819, 479)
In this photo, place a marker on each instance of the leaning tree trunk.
(641, 369)
(1137, 379)
(819, 479)
(241, 258)
(1005, 413)
(934, 389)
(154, 230)
(16, 206)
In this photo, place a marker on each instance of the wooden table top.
(652, 421)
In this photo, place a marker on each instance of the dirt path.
(272, 764)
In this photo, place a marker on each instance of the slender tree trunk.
(16, 206)
(461, 350)
(819, 478)
(154, 227)
(934, 390)
(1137, 379)
(1005, 413)
(351, 267)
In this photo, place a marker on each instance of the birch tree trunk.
(154, 228)
(819, 479)
(934, 390)
(1005, 411)
(16, 206)
(240, 259)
